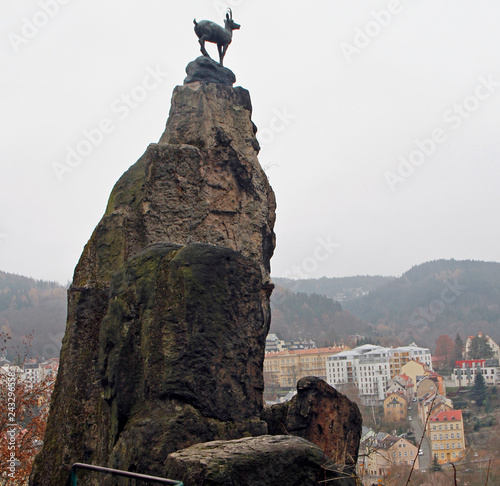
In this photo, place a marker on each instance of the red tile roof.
(330, 349)
(447, 416)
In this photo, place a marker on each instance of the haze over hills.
(431, 299)
(337, 288)
(313, 317)
(29, 306)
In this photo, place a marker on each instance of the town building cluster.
(31, 372)
(379, 453)
(401, 380)
(283, 369)
(370, 368)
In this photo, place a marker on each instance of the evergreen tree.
(435, 466)
(480, 348)
(487, 404)
(459, 346)
(479, 390)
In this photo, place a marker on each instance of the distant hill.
(340, 288)
(29, 306)
(312, 317)
(435, 298)
(431, 299)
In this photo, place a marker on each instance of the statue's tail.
(194, 22)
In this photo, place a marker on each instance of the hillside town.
(31, 372)
(409, 409)
(398, 383)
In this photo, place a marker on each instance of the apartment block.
(284, 368)
(465, 371)
(370, 368)
(446, 433)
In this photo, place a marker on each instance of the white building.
(8, 370)
(493, 345)
(465, 371)
(370, 368)
(367, 367)
(32, 374)
(423, 355)
(274, 344)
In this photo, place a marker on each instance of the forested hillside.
(435, 298)
(312, 317)
(432, 299)
(339, 288)
(32, 307)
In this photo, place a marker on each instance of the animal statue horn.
(208, 31)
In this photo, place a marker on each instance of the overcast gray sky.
(378, 121)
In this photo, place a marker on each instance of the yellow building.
(379, 457)
(433, 404)
(395, 407)
(285, 368)
(446, 433)
(426, 387)
(414, 369)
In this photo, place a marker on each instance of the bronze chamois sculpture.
(208, 31)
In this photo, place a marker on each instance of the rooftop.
(329, 349)
(447, 416)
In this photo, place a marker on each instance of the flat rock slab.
(265, 460)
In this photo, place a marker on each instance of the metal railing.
(117, 472)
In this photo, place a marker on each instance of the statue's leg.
(221, 53)
(203, 50)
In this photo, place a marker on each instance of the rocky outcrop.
(174, 369)
(167, 317)
(266, 461)
(136, 312)
(207, 70)
(322, 415)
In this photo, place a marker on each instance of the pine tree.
(435, 466)
(479, 390)
(480, 348)
(459, 346)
